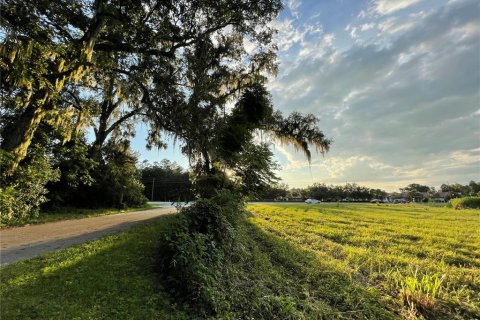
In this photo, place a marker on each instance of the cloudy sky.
(396, 84)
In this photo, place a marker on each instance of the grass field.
(417, 261)
(298, 262)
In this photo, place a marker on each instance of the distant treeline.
(168, 181)
(354, 192)
(321, 191)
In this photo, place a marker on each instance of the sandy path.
(29, 241)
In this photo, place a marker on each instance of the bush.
(193, 254)
(465, 203)
(22, 193)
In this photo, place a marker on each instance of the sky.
(395, 84)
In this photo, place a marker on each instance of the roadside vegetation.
(67, 213)
(465, 203)
(327, 261)
(110, 278)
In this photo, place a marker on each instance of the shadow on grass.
(281, 281)
(111, 278)
(11, 255)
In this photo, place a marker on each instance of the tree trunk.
(18, 136)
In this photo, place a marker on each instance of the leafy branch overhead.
(301, 131)
(50, 47)
(192, 70)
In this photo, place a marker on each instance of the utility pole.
(153, 188)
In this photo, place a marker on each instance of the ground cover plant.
(421, 262)
(110, 278)
(67, 213)
(326, 261)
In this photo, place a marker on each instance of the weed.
(419, 294)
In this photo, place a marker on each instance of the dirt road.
(30, 241)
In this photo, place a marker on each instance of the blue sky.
(396, 84)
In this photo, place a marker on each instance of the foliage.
(117, 179)
(465, 203)
(160, 54)
(193, 252)
(274, 191)
(419, 294)
(459, 190)
(22, 193)
(166, 181)
(350, 191)
(76, 168)
(228, 144)
(254, 170)
(300, 130)
(417, 188)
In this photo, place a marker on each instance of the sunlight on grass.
(298, 262)
(110, 278)
(68, 213)
(425, 260)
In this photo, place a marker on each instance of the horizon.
(392, 84)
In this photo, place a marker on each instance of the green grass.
(327, 261)
(69, 213)
(416, 261)
(111, 278)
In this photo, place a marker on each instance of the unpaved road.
(30, 241)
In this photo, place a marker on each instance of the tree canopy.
(195, 71)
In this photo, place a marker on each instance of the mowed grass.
(299, 261)
(110, 278)
(69, 213)
(414, 261)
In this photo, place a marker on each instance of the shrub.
(22, 193)
(193, 254)
(465, 203)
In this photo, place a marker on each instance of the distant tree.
(377, 194)
(474, 188)
(275, 191)
(458, 190)
(318, 191)
(415, 187)
(166, 181)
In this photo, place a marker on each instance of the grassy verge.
(72, 213)
(111, 278)
(327, 261)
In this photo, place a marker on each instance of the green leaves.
(299, 130)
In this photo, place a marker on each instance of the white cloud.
(294, 5)
(287, 35)
(328, 39)
(385, 7)
(402, 113)
(367, 26)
